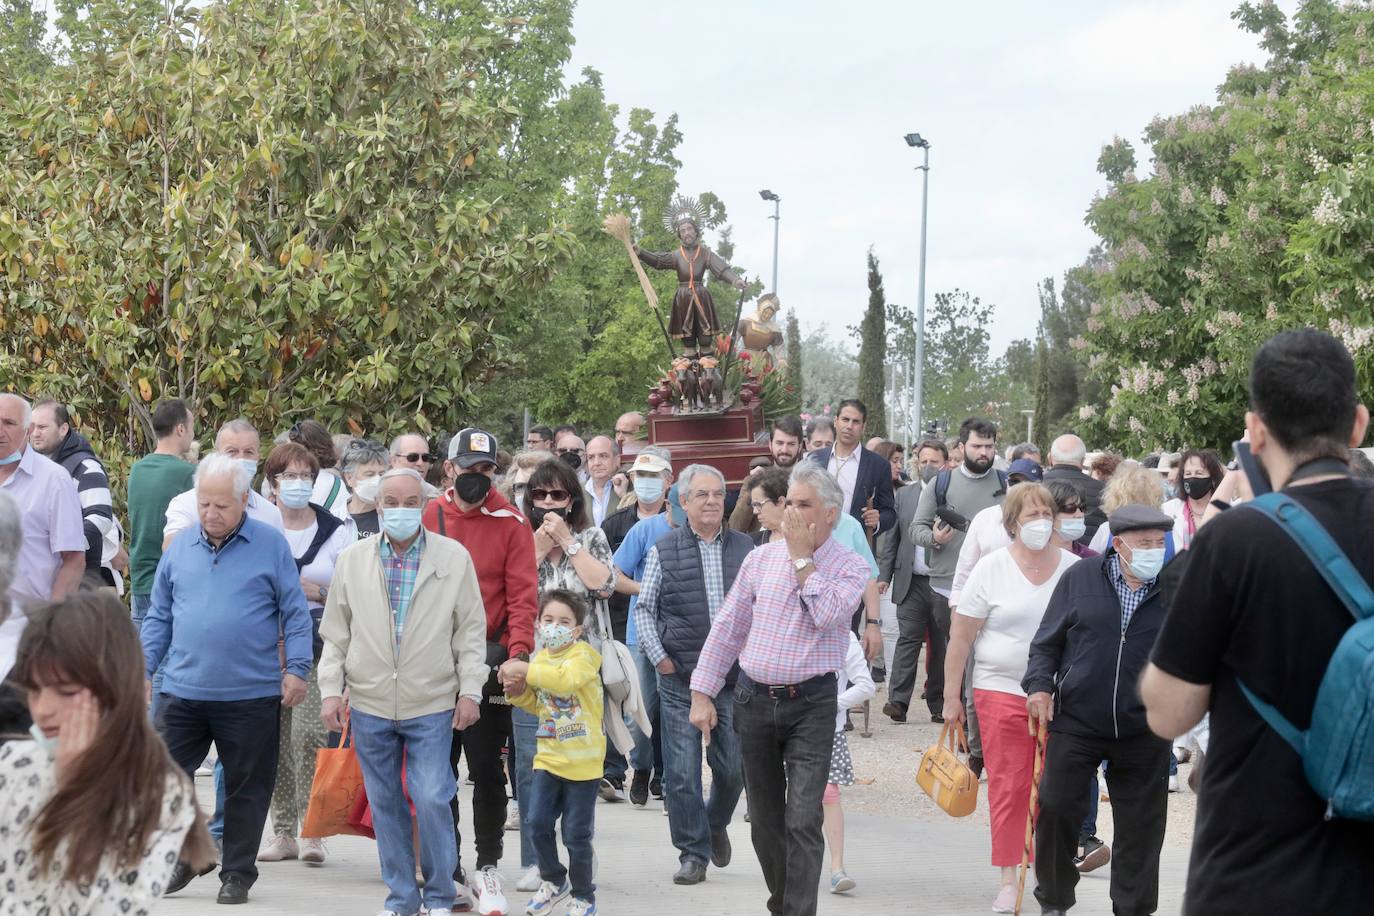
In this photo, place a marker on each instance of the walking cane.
(1030, 814)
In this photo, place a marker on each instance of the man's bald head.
(1068, 449)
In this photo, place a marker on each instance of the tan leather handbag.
(949, 781)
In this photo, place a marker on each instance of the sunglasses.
(413, 457)
(537, 493)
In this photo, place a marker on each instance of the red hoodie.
(502, 548)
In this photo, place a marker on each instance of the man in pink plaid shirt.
(786, 620)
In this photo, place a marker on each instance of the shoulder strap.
(333, 493)
(941, 487)
(1325, 554)
(1002, 483)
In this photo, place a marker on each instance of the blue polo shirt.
(216, 616)
(632, 554)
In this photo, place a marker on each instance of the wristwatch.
(873, 623)
(573, 548)
(800, 563)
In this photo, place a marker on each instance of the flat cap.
(1136, 517)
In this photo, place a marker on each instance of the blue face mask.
(11, 459)
(251, 464)
(1146, 562)
(555, 636)
(295, 494)
(401, 523)
(649, 489)
(47, 744)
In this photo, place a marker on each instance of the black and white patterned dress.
(841, 764)
(27, 780)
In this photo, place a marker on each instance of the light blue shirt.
(632, 555)
(850, 533)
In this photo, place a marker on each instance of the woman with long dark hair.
(94, 815)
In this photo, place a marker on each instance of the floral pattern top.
(27, 779)
(563, 575)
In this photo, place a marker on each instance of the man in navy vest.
(686, 577)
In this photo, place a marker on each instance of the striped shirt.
(782, 632)
(1130, 600)
(401, 570)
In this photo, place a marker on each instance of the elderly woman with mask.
(363, 464)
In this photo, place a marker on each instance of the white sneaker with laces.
(529, 881)
(513, 817)
(490, 900)
(580, 907)
(280, 849)
(312, 851)
(544, 899)
(1173, 783)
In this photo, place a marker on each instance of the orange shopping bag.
(336, 790)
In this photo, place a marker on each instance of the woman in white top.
(1001, 607)
(95, 818)
(856, 686)
(316, 537)
(1200, 473)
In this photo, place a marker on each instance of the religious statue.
(761, 336)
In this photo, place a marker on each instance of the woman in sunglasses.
(573, 554)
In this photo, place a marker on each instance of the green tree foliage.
(793, 374)
(271, 207)
(829, 373)
(23, 42)
(1258, 216)
(872, 334)
(962, 377)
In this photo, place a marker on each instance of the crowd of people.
(584, 621)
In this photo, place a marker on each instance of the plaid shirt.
(646, 609)
(781, 632)
(401, 571)
(1130, 600)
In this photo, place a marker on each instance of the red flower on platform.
(746, 356)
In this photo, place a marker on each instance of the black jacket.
(874, 479)
(1080, 655)
(1090, 489)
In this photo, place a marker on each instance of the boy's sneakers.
(639, 789)
(580, 907)
(486, 884)
(612, 790)
(544, 899)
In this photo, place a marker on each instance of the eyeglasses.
(538, 493)
(756, 505)
(414, 457)
(708, 494)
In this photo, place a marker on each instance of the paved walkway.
(903, 866)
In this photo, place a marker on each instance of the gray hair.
(427, 490)
(396, 443)
(360, 452)
(217, 464)
(691, 472)
(28, 408)
(811, 474)
(238, 425)
(11, 539)
(1068, 449)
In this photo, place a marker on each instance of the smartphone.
(1259, 483)
(951, 518)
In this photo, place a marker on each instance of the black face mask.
(571, 459)
(1197, 487)
(472, 488)
(537, 514)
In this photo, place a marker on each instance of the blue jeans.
(425, 742)
(574, 802)
(216, 824)
(647, 755)
(691, 819)
(523, 727)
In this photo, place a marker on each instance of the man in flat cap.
(1083, 680)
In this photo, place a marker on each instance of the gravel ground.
(889, 759)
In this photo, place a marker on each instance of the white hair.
(218, 464)
(11, 539)
(396, 443)
(691, 472)
(28, 408)
(811, 474)
(427, 490)
(235, 426)
(1068, 449)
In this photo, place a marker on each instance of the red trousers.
(1009, 758)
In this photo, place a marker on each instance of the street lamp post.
(1030, 416)
(777, 221)
(916, 140)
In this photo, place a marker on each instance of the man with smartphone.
(941, 522)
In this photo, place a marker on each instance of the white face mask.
(1071, 529)
(367, 490)
(1035, 535)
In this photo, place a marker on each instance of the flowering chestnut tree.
(1258, 215)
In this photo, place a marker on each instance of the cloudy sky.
(812, 99)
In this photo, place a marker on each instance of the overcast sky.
(812, 99)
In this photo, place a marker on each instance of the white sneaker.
(280, 849)
(513, 818)
(544, 899)
(580, 907)
(312, 851)
(1173, 783)
(441, 911)
(529, 881)
(487, 885)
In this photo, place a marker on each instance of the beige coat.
(442, 653)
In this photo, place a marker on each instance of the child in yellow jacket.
(561, 685)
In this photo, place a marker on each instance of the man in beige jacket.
(404, 631)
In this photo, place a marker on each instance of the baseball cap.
(653, 464)
(472, 446)
(1026, 468)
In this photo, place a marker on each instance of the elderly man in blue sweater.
(224, 594)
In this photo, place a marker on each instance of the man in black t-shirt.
(1250, 606)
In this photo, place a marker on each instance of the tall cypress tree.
(872, 349)
(1040, 431)
(793, 373)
